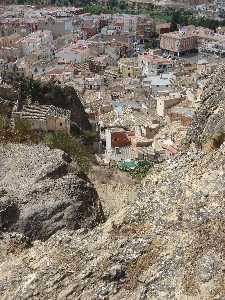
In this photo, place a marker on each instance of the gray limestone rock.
(41, 194)
(209, 119)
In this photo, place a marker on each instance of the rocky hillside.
(40, 192)
(209, 120)
(167, 243)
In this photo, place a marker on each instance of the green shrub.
(90, 135)
(2, 122)
(72, 146)
(22, 126)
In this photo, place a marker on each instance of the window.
(60, 124)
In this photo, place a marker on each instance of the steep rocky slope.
(41, 194)
(168, 244)
(209, 120)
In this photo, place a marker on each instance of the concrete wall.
(39, 125)
(35, 124)
(52, 124)
(58, 124)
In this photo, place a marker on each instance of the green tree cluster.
(185, 18)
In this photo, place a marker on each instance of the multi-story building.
(94, 83)
(179, 42)
(36, 41)
(10, 47)
(125, 23)
(59, 26)
(74, 53)
(193, 38)
(129, 67)
(10, 40)
(151, 63)
(23, 26)
(145, 28)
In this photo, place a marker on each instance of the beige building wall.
(63, 125)
(58, 124)
(163, 103)
(37, 124)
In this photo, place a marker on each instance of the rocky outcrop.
(65, 97)
(40, 192)
(168, 244)
(209, 120)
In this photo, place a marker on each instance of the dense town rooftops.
(129, 61)
(130, 118)
(37, 35)
(187, 111)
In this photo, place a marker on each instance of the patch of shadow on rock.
(9, 214)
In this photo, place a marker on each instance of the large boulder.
(40, 192)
